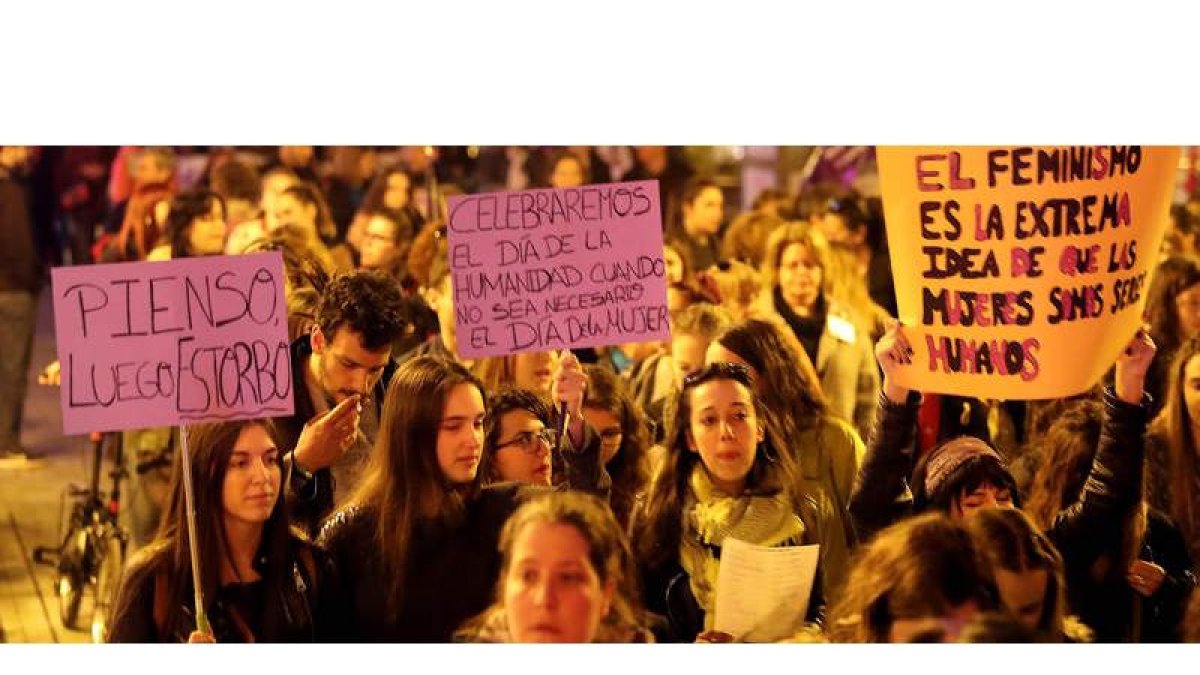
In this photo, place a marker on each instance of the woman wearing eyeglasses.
(522, 435)
(522, 439)
(519, 439)
(722, 478)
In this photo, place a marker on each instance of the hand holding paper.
(752, 609)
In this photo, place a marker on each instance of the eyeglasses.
(528, 440)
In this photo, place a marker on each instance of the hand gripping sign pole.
(564, 422)
(190, 500)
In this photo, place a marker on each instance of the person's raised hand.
(893, 352)
(1132, 365)
(569, 387)
(569, 384)
(326, 437)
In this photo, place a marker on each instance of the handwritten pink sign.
(538, 270)
(153, 344)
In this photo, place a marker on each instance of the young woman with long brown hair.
(825, 448)
(724, 477)
(260, 579)
(416, 543)
(1173, 312)
(302, 208)
(1029, 573)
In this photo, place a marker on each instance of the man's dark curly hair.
(366, 302)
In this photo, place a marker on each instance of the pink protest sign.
(154, 344)
(538, 270)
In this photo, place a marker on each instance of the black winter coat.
(1103, 599)
(1081, 531)
(291, 603)
(452, 571)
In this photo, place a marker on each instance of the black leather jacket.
(291, 603)
(1081, 530)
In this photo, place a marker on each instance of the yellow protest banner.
(1021, 272)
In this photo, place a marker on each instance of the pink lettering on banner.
(154, 344)
(540, 270)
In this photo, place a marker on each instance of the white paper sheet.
(763, 591)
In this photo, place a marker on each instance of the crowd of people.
(585, 496)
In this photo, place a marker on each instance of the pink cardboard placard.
(153, 344)
(539, 270)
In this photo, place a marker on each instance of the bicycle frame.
(92, 552)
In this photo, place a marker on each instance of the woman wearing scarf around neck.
(722, 479)
(800, 289)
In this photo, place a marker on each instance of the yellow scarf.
(709, 516)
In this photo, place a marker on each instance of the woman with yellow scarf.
(722, 478)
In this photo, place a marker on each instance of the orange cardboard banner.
(1021, 272)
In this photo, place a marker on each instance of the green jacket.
(829, 453)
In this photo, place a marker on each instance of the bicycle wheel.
(72, 579)
(107, 581)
